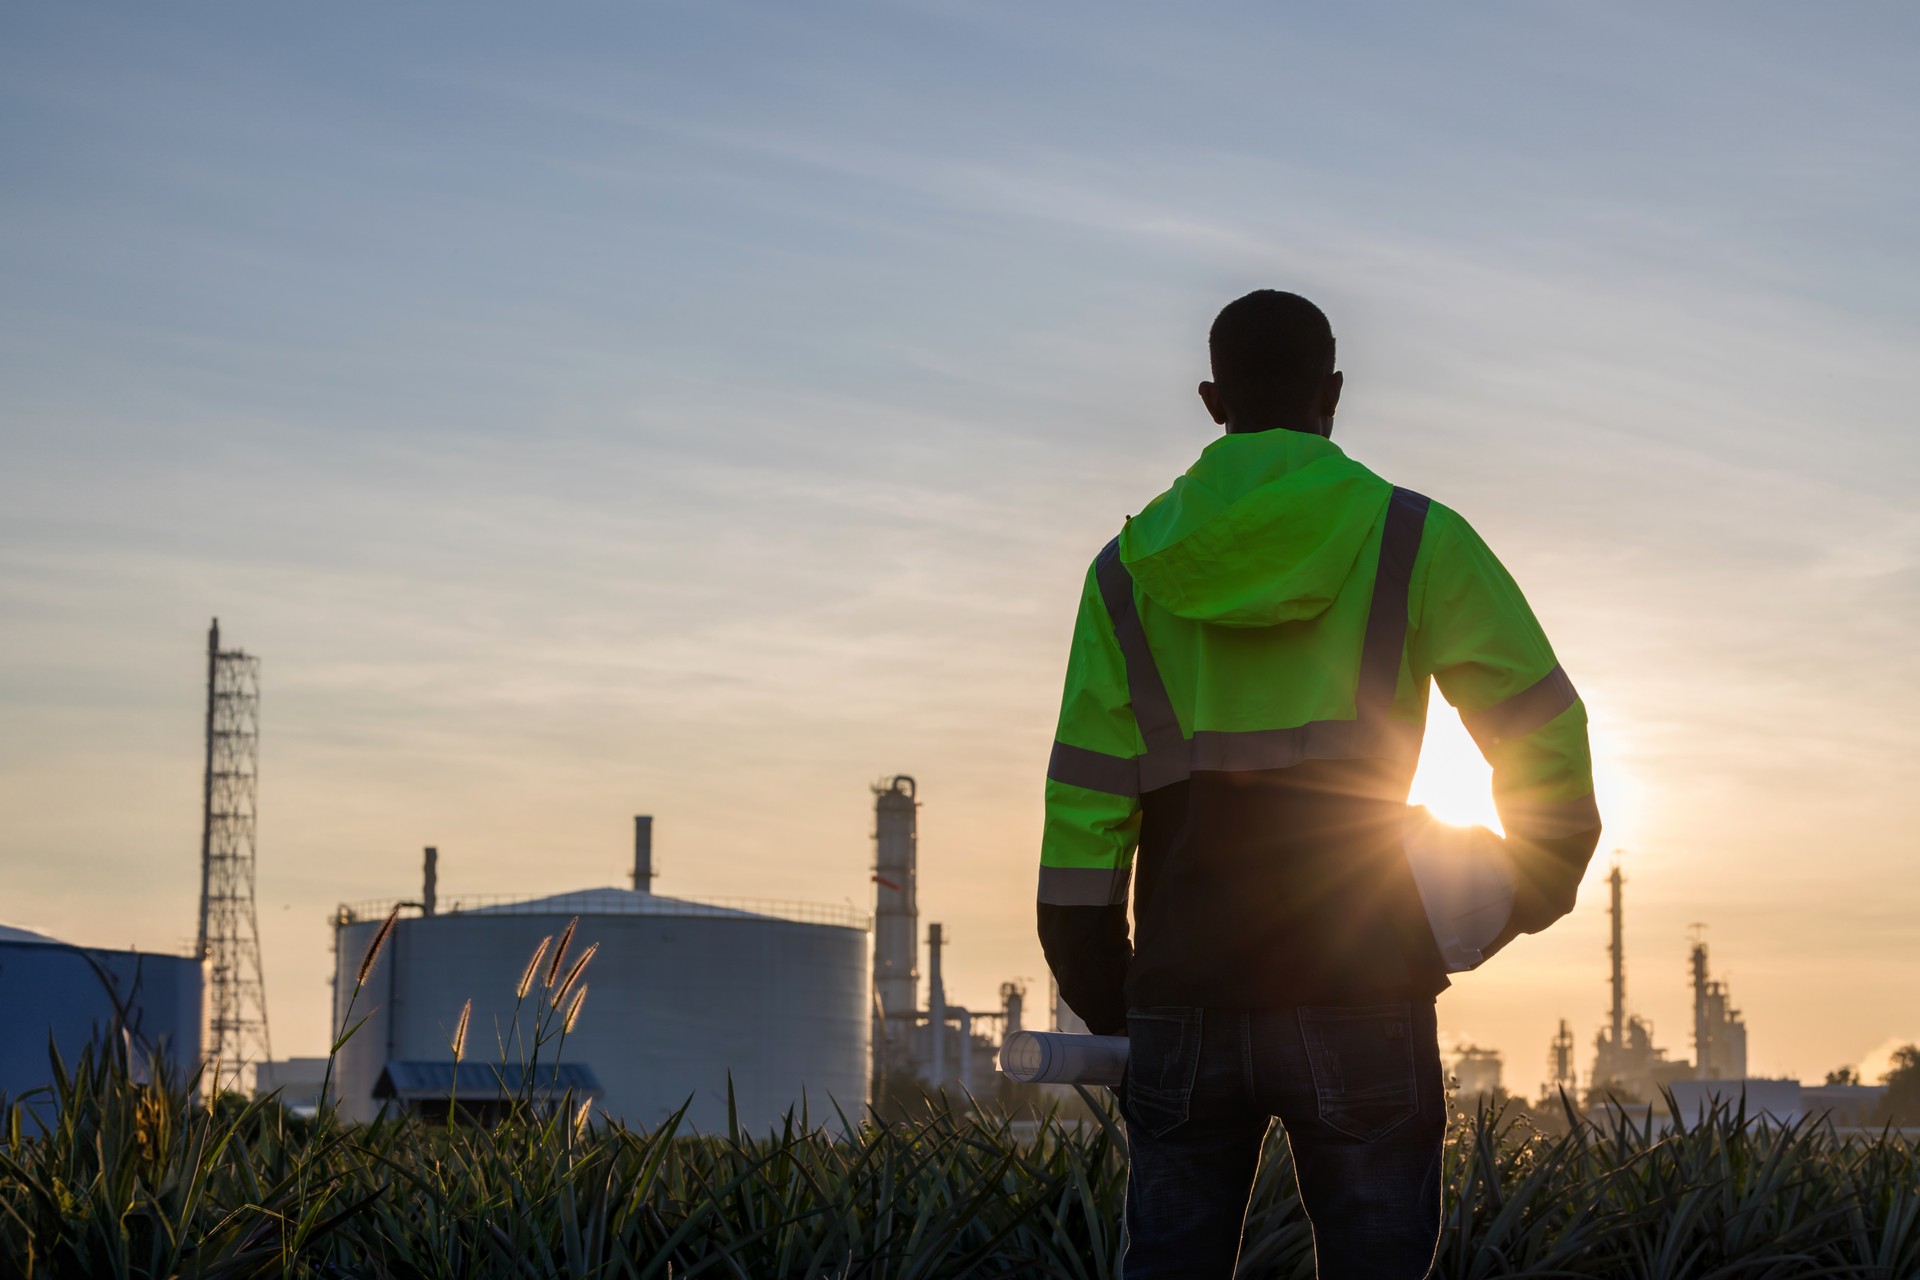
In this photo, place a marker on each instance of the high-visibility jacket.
(1244, 704)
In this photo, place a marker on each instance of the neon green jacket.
(1254, 591)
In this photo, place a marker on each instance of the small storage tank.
(682, 996)
(52, 991)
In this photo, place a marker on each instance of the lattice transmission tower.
(236, 1000)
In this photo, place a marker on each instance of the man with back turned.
(1244, 705)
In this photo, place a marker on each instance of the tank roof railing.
(557, 904)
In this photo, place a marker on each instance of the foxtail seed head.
(533, 967)
(560, 952)
(460, 1030)
(373, 952)
(573, 1009)
(573, 975)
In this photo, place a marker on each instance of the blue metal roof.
(13, 933)
(416, 1081)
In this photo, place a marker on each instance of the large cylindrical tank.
(53, 992)
(682, 996)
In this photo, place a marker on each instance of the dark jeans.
(1358, 1090)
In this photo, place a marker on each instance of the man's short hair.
(1271, 352)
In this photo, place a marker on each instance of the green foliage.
(113, 1175)
(129, 1179)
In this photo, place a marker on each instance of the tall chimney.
(1617, 950)
(1704, 1066)
(430, 880)
(643, 852)
(936, 1008)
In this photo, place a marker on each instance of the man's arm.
(1475, 633)
(1092, 826)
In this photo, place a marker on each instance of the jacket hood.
(1265, 528)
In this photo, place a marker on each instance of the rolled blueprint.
(1465, 877)
(1059, 1057)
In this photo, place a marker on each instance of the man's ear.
(1210, 396)
(1330, 393)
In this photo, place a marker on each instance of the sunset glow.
(705, 412)
(1454, 781)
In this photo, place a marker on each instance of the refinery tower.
(944, 1046)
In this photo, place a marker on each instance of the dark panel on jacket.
(1279, 887)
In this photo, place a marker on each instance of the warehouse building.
(54, 994)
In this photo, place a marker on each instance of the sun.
(1454, 781)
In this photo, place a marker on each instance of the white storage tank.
(54, 992)
(682, 996)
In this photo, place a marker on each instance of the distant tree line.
(1901, 1104)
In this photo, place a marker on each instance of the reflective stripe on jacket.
(1243, 708)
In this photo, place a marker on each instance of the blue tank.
(53, 993)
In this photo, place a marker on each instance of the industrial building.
(1628, 1065)
(175, 1012)
(1626, 1062)
(945, 1046)
(294, 1082)
(70, 996)
(780, 999)
(687, 999)
(1562, 1077)
(1768, 1101)
(1476, 1075)
(1719, 1036)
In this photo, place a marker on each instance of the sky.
(707, 410)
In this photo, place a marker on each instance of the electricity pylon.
(235, 1022)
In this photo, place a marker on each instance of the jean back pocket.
(1163, 1057)
(1362, 1062)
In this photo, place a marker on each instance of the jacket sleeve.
(1092, 825)
(1475, 633)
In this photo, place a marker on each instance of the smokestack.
(429, 880)
(1563, 1058)
(936, 1007)
(1703, 1055)
(643, 852)
(1618, 951)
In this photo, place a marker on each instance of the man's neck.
(1305, 426)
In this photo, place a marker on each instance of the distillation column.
(896, 925)
(936, 1074)
(1703, 1055)
(1617, 951)
(1719, 1036)
(1610, 1056)
(1560, 1061)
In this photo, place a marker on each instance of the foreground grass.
(136, 1180)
